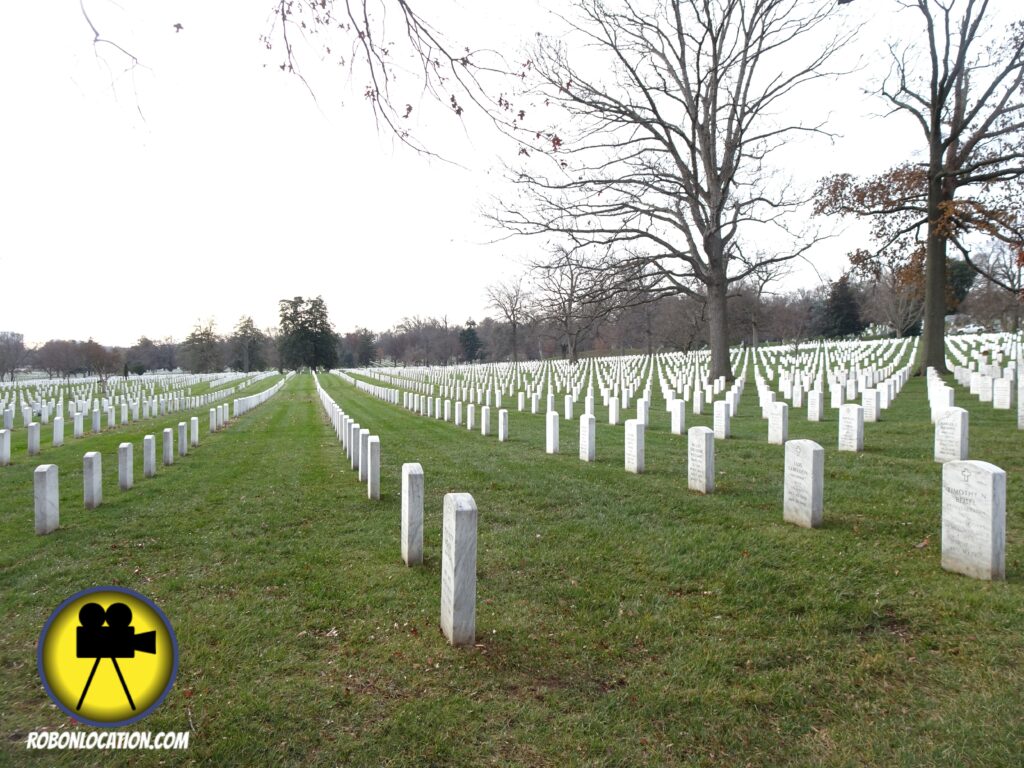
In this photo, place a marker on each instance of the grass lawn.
(621, 619)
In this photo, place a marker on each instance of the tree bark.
(718, 336)
(933, 342)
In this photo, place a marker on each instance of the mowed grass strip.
(621, 619)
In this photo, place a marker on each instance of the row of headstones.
(469, 382)
(434, 408)
(973, 524)
(218, 417)
(46, 482)
(973, 507)
(27, 389)
(170, 402)
(362, 448)
(998, 391)
(973, 520)
(838, 363)
(863, 367)
(851, 388)
(700, 448)
(129, 412)
(46, 476)
(387, 394)
(458, 552)
(245, 404)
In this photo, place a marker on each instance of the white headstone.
(588, 437)
(412, 514)
(58, 430)
(33, 438)
(870, 401)
(613, 411)
(678, 417)
(353, 443)
(951, 435)
(851, 427)
(148, 456)
(92, 476)
(804, 483)
(778, 423)
(373, 470)
(974, 519)
(485, 420)
(836, 397)
(815, 405)
(1002, 394)
(503, 425)
(458, 568)
(5, 447)
(168, 446)
(700, 459)
(125, 468)
(1020, 403)
(551, 432)
(364, 459)
(721, 421)
(47, 498)
(634, 446)
(985, 389)
(182, 438)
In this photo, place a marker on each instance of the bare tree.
(13, 353)
(401, 56)
(755, 288)
(663, 155)
(999, 301)
(573, 297)
(511, 299)
(896, 295)
(966, 93)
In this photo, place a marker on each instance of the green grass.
(621, 620)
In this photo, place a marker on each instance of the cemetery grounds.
(621, 619)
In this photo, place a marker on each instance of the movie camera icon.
(117, 640)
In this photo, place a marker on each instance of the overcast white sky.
(233, 189)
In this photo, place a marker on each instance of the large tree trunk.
(718, 336)
(933, 341)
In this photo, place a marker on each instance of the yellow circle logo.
(108, 656)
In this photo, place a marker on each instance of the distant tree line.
(560, 311)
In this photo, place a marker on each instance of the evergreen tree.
(307, 337)
(470, 341)
(201, 349)
(842, 313)
(247, 345)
